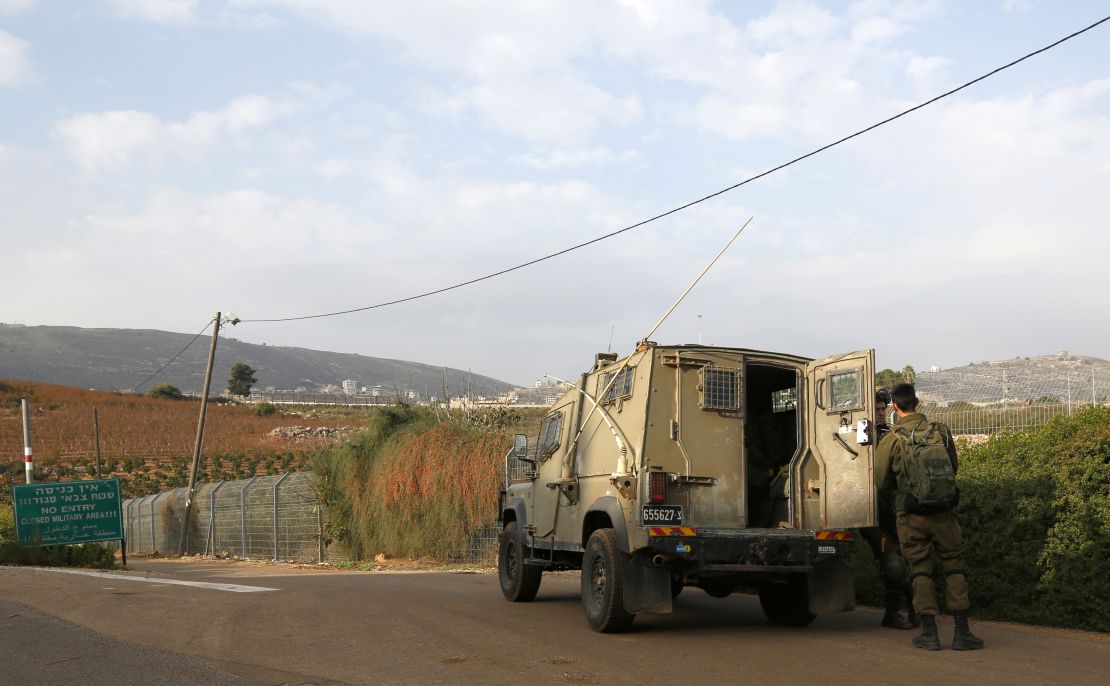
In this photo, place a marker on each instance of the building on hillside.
(349, 386)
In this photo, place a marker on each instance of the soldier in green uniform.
(883, 540)
(921, 531)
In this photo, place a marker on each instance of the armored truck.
(725, 469)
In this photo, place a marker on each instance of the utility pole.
(699, 329)
(28, 458)
(200, 440)
(96, 430)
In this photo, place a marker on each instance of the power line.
(699, 200)
(199, 334)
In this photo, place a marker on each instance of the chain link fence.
(266, 517)
(991, 397)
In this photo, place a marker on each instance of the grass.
(414, 484)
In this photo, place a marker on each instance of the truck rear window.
(720, 389)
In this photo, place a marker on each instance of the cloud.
(105, 140)
(517, 67)
(160, 11)
(15, 64)
(1016, 5)
(16, 6)
(923, 68)
(579, 157)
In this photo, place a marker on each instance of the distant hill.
(1043, 377)
(120, 359)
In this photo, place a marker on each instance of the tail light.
(657, 487)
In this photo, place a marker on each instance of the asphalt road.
(325, 627)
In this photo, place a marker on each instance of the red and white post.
(28, 459)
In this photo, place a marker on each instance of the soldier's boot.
(915, 619)
(928, 639)
(892, 618)
(963, 639)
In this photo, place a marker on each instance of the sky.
(162, 160)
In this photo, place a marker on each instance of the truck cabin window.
(549, 433)
(620, 389)
(845, 391)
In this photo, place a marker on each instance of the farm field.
(148, 442)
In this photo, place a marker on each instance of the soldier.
(883, 540)
(923, 527)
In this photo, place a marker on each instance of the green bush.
(265, 409)
(165, 390)
(1035, 514)
(1036, 520)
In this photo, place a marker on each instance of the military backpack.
(927, 480)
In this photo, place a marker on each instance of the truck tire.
(519, 582)
(603, 583)
(787, 603)
(718, 588)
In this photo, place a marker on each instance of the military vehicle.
(722, 468)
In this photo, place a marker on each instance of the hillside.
(120, 359)
(1058, 378)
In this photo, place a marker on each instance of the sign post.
(65, 512)
(28, 458)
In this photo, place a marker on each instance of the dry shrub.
(412, 487)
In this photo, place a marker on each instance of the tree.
(888, 379)
(908, 374)
(165, 390)
(241, 379)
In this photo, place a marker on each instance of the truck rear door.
(832, 482)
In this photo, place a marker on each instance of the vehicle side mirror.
(520, 446)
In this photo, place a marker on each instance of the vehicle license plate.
(663, 514)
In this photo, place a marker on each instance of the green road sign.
(62, 512)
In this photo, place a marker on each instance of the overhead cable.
(172, 359)
(693, 202)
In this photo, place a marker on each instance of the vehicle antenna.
(622, 459)
(695, 283)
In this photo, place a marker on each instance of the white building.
(349, 386)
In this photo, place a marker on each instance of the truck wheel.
(787, 603)
(519, 582)
(603, 583)
(718, 588)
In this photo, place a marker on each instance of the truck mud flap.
(831, 588)
(646, 588)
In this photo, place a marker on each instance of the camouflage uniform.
(883, 540)
(920, 534)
